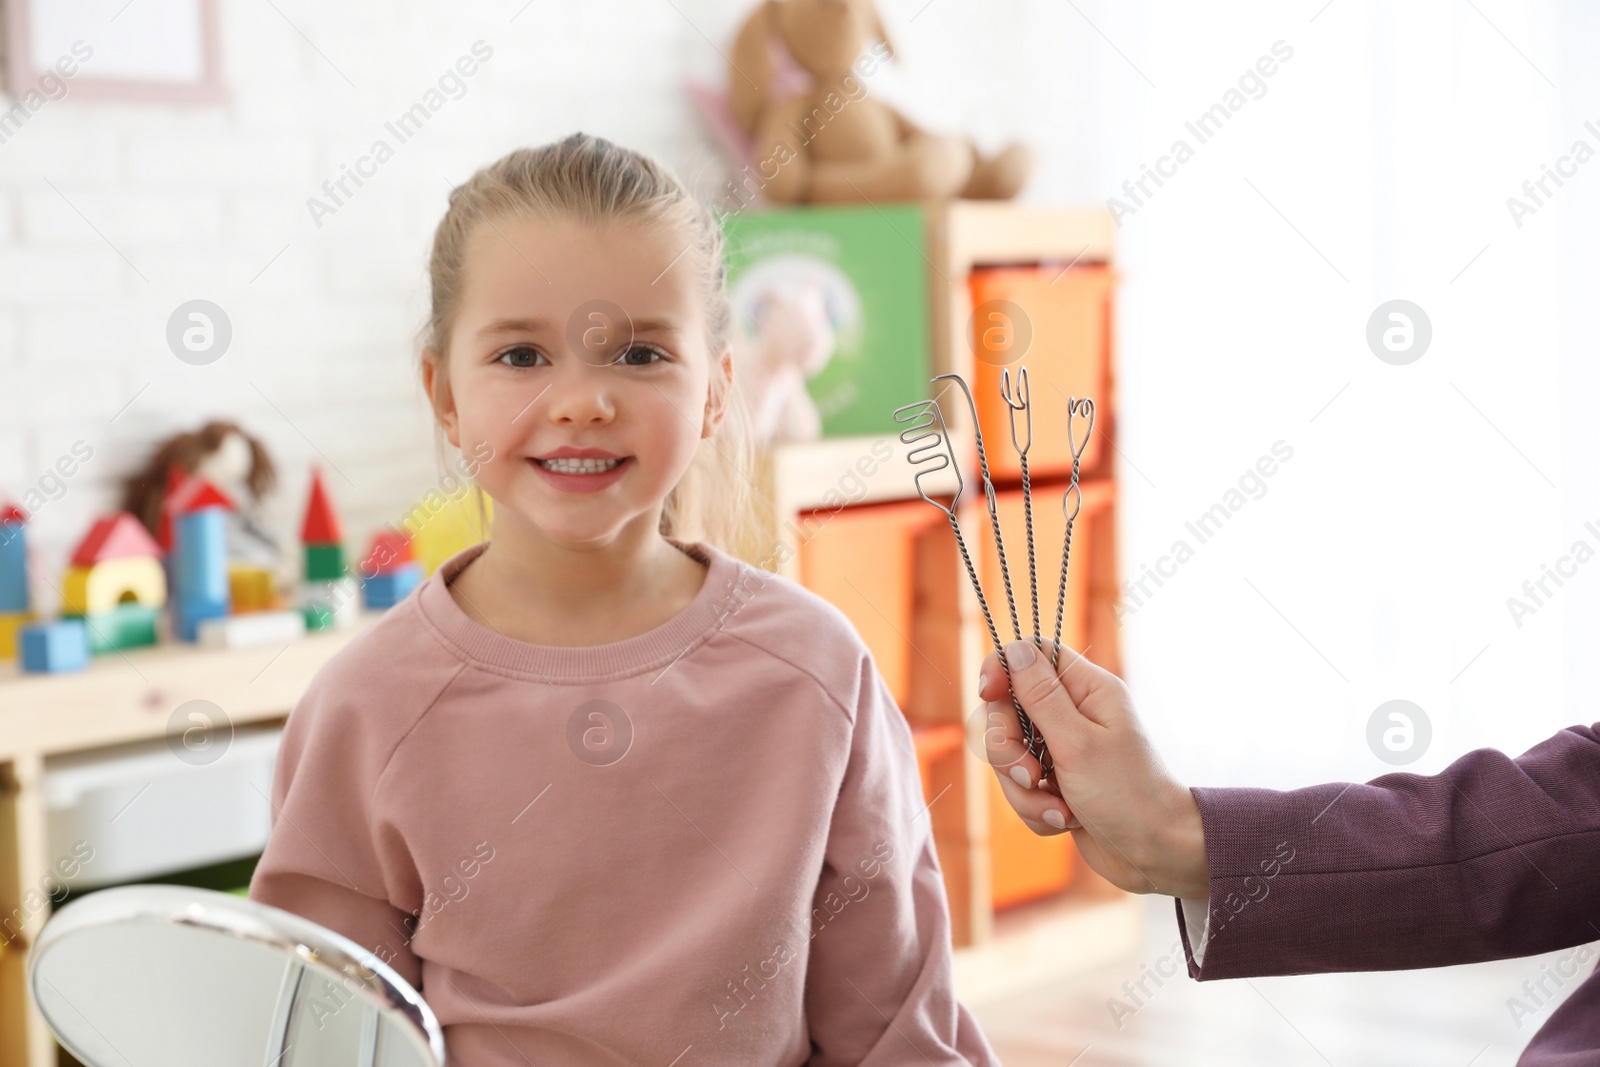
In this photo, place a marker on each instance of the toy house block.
(252, 588)
(252, 630)
(387, 589)
(390, 551)
(116, 584)
(11, 624)
(13, 560)
(119, 536)
(55, 647)
(99, 588)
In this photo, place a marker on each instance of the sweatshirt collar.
(652, 650)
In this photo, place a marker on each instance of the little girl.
(604, 793)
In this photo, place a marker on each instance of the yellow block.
(97, 589)
(11, 624)
(441, 525)
(252, 588)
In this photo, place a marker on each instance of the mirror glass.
(172, 976)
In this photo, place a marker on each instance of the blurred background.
(1395, 153)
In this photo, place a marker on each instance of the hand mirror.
(147, 975)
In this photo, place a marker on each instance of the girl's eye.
(515, 357)
(627, 357)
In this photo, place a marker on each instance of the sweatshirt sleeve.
(1491, 858)
(879, 987)
(330, 857)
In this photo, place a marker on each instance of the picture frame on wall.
(148, 50)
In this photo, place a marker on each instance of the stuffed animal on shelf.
(238, 465)
(790, 341)
(798, 85)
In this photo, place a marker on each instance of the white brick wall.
(111, 214)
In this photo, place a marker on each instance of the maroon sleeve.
(1493, 857)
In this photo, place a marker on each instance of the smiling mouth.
(579, 466)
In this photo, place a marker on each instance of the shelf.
(129, 696)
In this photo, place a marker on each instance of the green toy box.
(864, 269)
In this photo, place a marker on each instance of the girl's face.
(578, 357)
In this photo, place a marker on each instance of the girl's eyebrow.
(514, 326)
(537, 325)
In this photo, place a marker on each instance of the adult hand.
(1132, 821)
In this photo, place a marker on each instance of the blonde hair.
(595, 181)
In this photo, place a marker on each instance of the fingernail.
(1019, 774)
(983, 683)
(1019, 654)
(1055, 818)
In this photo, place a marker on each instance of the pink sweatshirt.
(706, 844)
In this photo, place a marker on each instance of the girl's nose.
(580, 393)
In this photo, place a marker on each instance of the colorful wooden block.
(13, 560)
(119, 536)
(440, 526)
(321, 525)
(129, 625)
(386, 590)
(202, 553)
(252, 630)
(55, 647)
(389, 551)
(187, 614)
(252, 588)
(331, 604)
(11, 624)
(325, 563)
(98, 588)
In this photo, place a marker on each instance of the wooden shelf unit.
(795, 479)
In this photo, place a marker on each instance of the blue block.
(386, 590)
(188, 614)
(13, 567)
(202, 551)
(55, 647)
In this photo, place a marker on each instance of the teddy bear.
(796, 88)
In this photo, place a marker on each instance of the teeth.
(578, 466)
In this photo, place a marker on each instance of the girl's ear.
(436, 383)
(716, 408)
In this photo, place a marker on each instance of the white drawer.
(137, 811)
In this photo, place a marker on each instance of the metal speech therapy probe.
(931, 452)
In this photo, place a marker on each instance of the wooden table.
(121, 697)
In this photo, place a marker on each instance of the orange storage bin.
(861, 560)
(1065, 322)
(1024, 865)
